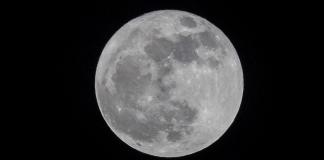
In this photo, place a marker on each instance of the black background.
(252, 28)
(56, 46)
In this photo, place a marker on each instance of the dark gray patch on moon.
(185, 49)
(130, 84)
(213, 62)
(180, 112)
(174, 136)
(188, 22)
(185, 113)
(163, 89)
(208, 39)
(159, 49)
(138, 130)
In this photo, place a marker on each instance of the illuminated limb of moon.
(169, 83)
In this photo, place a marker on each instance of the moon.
(169, 83)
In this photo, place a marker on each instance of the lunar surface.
(169, 83)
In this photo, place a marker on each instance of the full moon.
(169, 83)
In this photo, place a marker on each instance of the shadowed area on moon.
(188, 22)
(144, 122)
(183, 50)
(130, 85)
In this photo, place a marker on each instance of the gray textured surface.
(188, 22)
(174, 119)
(130, 84)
